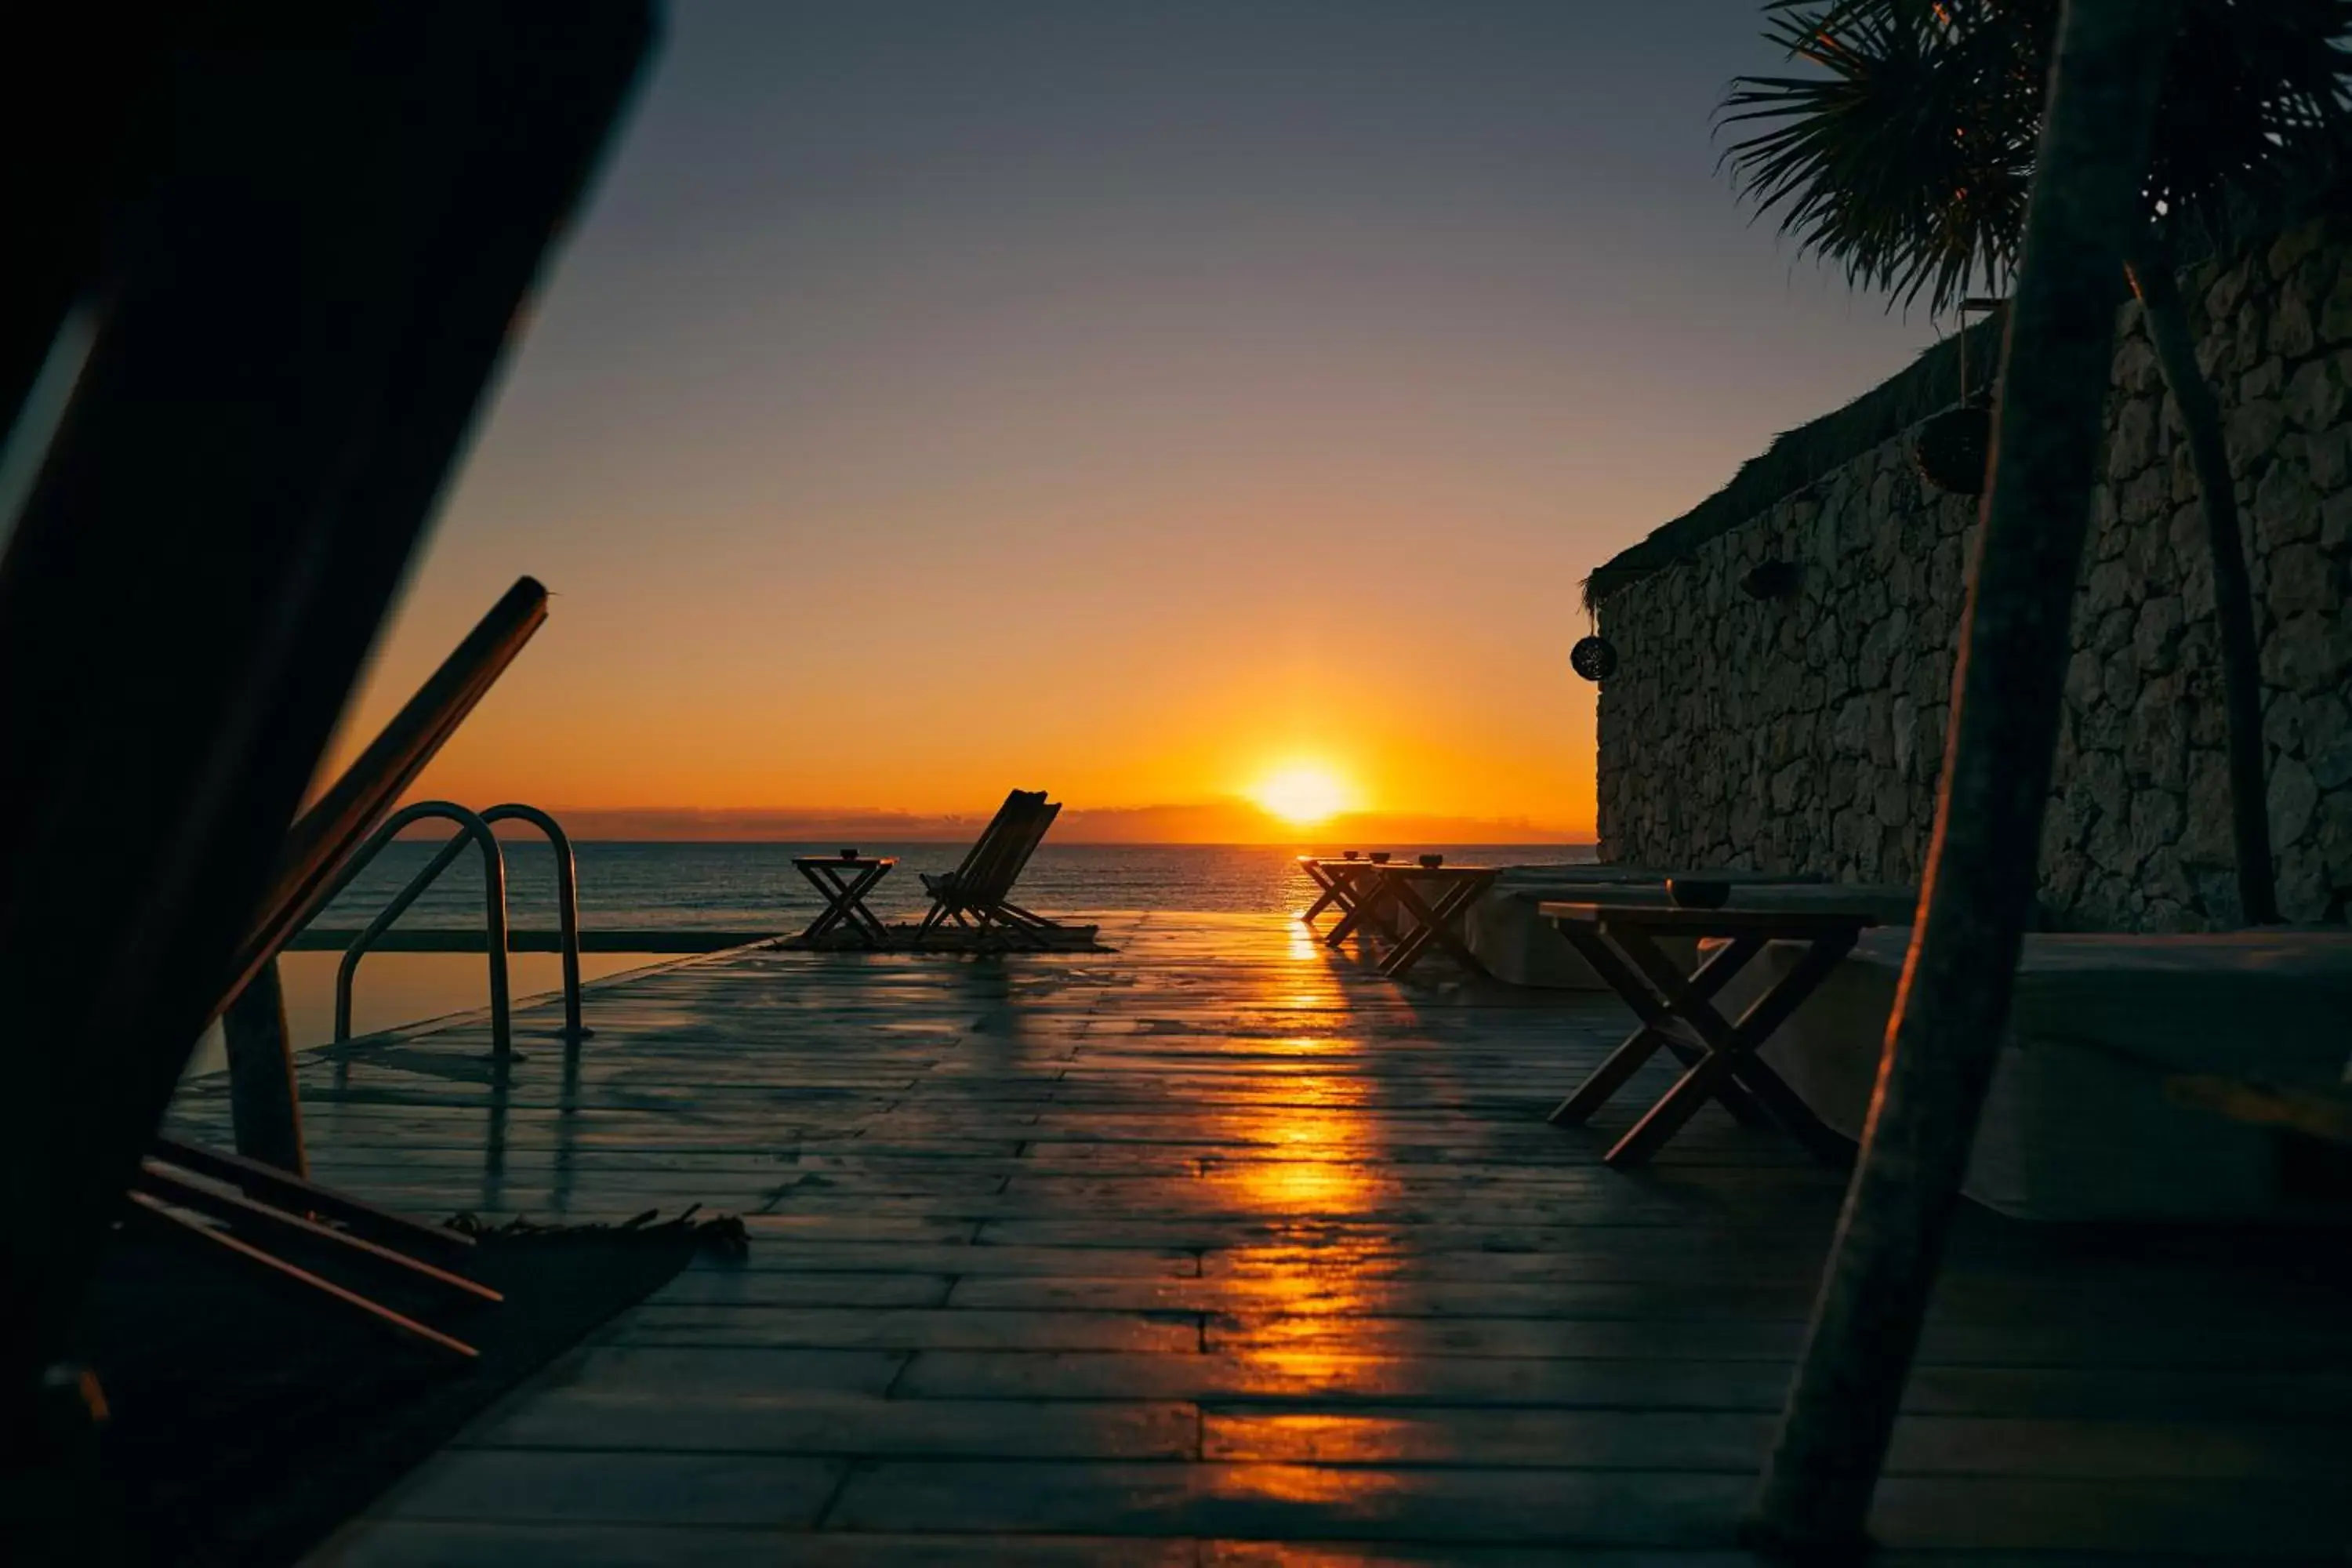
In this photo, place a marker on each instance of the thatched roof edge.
(1801, 457)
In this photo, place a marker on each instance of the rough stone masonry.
(1804, 733)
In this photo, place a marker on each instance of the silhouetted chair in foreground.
(267, 1216)
(976, 897)
(238, 374)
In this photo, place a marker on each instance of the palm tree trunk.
(2158, 290)
(1953, 1005)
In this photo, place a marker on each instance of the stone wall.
(1804, 733)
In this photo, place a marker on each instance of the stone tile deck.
(1221, 1250)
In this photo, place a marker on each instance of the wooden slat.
(153, 1211)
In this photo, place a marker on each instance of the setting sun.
(1303, 794)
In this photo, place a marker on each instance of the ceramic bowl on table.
(1380, 857)
(1697, 892)
(1431, 862)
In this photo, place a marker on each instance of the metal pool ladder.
(473, 829)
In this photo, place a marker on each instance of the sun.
(1303, 794)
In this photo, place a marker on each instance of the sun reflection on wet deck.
(1311, 1163)
(1225, 1232)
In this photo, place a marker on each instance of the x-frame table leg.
(1366, 911)
(845, 902)
(1657, 1017)
(1436, 925)
(865, 920)
(1732, 1048)
(830, 891)
(1335, 891)
(1418, 929)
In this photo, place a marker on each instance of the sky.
(1144, 402)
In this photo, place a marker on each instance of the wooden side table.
(843, 881)
(1677, 1012)
(1396, 888)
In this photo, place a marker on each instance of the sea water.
(754, 887)
(749, 887)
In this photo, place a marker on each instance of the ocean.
(753, 887)
(747, 888)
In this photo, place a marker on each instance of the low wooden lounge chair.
(976, 897)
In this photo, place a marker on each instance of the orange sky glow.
(921, 412)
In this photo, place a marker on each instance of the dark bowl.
(1697, 893)
(849, 853)
(1347, 854)
(1431, 862)
(1380, 857)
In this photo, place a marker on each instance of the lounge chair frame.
(976, 897)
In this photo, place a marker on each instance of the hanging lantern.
(1593, 658)
(1954, 447)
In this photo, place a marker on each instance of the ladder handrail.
(471, 829)
(567, 903)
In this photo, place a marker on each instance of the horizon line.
(1230, 823)
(505, 830)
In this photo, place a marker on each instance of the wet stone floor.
(1221, 1249)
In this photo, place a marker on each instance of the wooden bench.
(2120, 1050)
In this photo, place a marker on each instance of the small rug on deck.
(247, 1420)
(955, 938)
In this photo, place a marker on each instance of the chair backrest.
(996, 860)
(1019, 846)
(993, 873)
(1015, 809)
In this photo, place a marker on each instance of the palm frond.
(2256, 114)
(1905, 156)
(1900, 160)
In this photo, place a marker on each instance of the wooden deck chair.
(950, 890)
(977, 895)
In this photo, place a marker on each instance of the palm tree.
(2077, 217)
(1908, 163)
